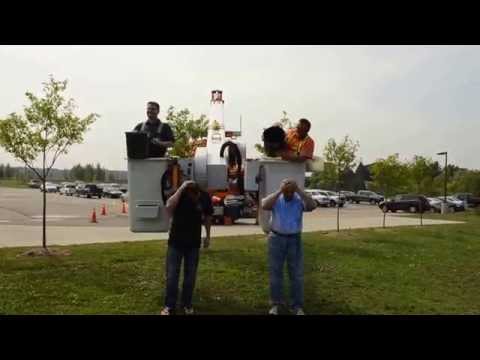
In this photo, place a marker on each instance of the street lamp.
(445, 189)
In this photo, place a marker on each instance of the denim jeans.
(289, 248)
(174, 263)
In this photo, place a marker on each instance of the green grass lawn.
(13, 183)
(414, 270)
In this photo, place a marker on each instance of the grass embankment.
(405, 270)
(12, 183)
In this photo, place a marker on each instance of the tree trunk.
(44, 223)
(338, 204)
(384, 205)
(338, 218)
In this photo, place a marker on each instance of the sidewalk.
(31, 235)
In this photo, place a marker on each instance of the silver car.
(320, 199)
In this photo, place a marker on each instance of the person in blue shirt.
(287, 205)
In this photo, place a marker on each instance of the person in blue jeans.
(287, 205)
(189, 208)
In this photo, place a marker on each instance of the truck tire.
(372, 202)
(412, 209)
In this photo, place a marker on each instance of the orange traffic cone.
(124, 209)
(104, 210)
(94, 216)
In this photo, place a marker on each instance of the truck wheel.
(358, 202)
(372, 202)
(412, 209)
(384, 209)
(332, 203)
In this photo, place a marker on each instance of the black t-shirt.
(186, 227)
(166, 134)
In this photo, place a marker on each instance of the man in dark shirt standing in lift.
(159, 133)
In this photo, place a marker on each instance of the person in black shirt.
(159, 133)
(189, 207)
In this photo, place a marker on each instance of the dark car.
(408, 203)
(348, 195)
(366, 196)
(472, 201)
(89, 191)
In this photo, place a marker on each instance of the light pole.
(445, 186)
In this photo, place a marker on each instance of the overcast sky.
(392, 99)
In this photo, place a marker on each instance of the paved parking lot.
(24, 207)
(68, 220)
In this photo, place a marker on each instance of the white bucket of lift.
(270, 175)
(147, 211)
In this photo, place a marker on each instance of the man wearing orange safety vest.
(300, 146)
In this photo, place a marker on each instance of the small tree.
(390, 175)
(66, 174)
(78, 172)
(187, 130)
(89, 172)
(285, 121)
(2, 171)
(111, 177)
(421, 169)
(99, 173)
(47, 130)
(342, 157)
(8, 171)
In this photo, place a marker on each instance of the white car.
(50, 187)
(333, 197)
(435, 204)
(67, 189)
(457, 202)
(320, 199)
(112, 192)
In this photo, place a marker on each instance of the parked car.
(366, 196)
(348, 195)
(67, 189)
(88, 190)
(50, 188)
(334, 199)
(34, 184)
(408, 203)
(321, 200)
(101, 186)
(452, 203)
(435, 204)
(457, 204)
(112, 192)
(472, 201)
